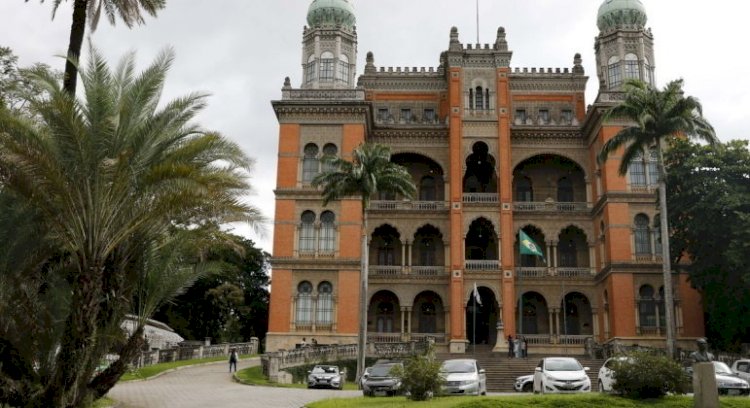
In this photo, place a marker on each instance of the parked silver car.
(728, 382)
(380, 381)
(561, 375)
(327, 376)
(524, 383)
(463, 376)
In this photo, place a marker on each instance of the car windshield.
(562, 365)
(325, 370)
(457, 366)
(721, 368)
(381, 370)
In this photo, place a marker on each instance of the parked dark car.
(381, 381)
(327, 376)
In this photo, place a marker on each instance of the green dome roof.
(331, 13)
(621, 14)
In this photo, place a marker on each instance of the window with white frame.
(310, 70)
(304, 303)
(342, 73)
(327, 240)
(324, 306)
(642, 235)
(614, 74)
(307, 233)
(310, 164)
(326, 66)
(329, 154)
(631, 67)
(647, 306)
(637, 172)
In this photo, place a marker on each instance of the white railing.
(383, 337)
(525, 272)
(439, 338)
(552, 206)
(574, 339)
(385, 270)
(573, 272)
(537, 338)
(481, 198)
(406, 205)
(428, 270)
(482, 265)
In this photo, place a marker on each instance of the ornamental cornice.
(307, 112)
(547, 82)
(551, 136)
(410, 135)
(403, 82)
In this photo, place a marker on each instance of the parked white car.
(742, 369)
(561, 375)
(463, 376)
(606, 373)
(524, 383)
(728, 382)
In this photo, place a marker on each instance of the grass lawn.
(152, 370)
(528, 401)
(254, 375)
(103, 403)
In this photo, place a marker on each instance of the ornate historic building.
(492, 149)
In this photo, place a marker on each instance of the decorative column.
(595, 322)
(403, 254)
(500, 342)
(551, 324)
(408, 253)
(403, 324)
(549, 258)
(592, 258)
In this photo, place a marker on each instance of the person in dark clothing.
(233, 360)
(510, 346)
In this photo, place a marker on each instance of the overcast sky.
(240, 51)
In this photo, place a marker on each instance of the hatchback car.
(561, 375)
(327, 376)
(742, 369)
(381, 382)
(463, 376)
(524, 383)
(728, 382)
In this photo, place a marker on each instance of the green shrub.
(420, 375)
(646, 375)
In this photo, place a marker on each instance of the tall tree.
(656, 116)
(130, 12)
(709, 211)
(108, 178)
(368, 173)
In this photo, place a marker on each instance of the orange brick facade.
(492, 149)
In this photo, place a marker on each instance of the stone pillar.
(554, 255)
(637, 316)
(592, 259)
(549, 257)
(403, 323)
(403, 254)
(409, 247)
(706, 394)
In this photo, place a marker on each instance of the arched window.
(657, 235)
(387, 252)
(613, 72)
(652, 165)
(342, 74)
(310, 69)
(524, 190)
(647, 77)
(647, 306)
(310, 163)
(427, 190)
(479, 98)
(304, 303)
(642, 238)
(329, 152)
(565, 190)
(471, 98)
(662, 311)
(326, 66)
(307, 232)
(637, 171)
(327, 232)
(427, 252)
(631, 67)
(324, 307)
(567, 253)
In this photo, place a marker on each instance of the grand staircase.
(502, 371)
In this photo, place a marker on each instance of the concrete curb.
(186, 366)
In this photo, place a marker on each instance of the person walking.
(510, 346)
(233, 357)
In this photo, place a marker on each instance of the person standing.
(524, 345)
(510, 346)
(233, 357)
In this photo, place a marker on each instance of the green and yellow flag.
(528, 246)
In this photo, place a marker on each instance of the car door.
(482, 379)
(742, 369)
(537, 387)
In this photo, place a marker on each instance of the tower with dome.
(493, 149)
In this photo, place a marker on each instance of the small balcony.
(397, 271)
(482, 265)
(550, 206)
(480, 198)
(562, 272)
(406, 205)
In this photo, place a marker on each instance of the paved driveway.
(211, 385)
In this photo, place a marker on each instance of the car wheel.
(527, 387)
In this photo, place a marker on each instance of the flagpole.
(474, 322)
(477, 21)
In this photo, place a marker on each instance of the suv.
(326, 376)
(381, 381)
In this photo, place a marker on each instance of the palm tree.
(109, 178)
(370, 172)
(658, 115)
(130, 11)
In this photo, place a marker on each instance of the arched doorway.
(384, 313)
(577, 317)
(481, 318)
(534, 314)
(481, 240)
(480, 174)
(428, 313)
